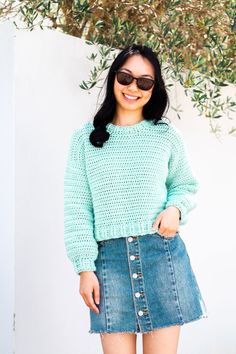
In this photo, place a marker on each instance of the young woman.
(128, 186)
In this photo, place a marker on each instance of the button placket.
(139, 297)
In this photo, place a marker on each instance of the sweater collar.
(129, 128)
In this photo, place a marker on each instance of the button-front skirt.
(146, 282)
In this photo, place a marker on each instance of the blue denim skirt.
(146, 282)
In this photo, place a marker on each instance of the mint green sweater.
(119, 190)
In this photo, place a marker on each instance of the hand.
(88, 285)
(169, 219)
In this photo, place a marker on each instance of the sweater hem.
(124, 230)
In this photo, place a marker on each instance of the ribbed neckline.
(129, 128)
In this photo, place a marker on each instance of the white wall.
(6, 188)
(50, 314)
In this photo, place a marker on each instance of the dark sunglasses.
(143, 83)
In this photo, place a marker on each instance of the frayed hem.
(150, 332)
(176, 324)
(205, 315)
(106, 332)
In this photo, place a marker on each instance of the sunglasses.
(143, 83)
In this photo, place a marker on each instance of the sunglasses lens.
(145, 84)
(123, 78)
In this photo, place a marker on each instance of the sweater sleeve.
(181, 182)
(81, 246)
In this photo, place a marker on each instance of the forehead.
(138, 65)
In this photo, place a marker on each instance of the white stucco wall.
(7, 167)
(51, 316)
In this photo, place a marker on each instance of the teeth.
(131, 97)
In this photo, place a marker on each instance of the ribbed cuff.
(84, 264)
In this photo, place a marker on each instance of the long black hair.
(152, 110)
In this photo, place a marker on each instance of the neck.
(124, 117)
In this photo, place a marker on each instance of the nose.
(133, 86)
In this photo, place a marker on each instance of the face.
(137, 66)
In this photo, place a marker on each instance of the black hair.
(152, 110)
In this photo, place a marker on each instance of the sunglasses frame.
(136, 78)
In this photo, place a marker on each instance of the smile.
(131, 97)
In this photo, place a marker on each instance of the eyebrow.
(140, 75)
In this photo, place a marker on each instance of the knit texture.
(119, 190)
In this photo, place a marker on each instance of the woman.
(128, 186)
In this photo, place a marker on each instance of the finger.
(168, 232)
(164, 232)
(156, 223)
(91, 303)
(86, 298)
(96, 294)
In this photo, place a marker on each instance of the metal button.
(140, 313)
(135, 275)
(130, 239)
(132, 257)
(137, 294)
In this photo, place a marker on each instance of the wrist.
(85, 272)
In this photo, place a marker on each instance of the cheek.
(117, 88)
(114, 86)
(147, 96)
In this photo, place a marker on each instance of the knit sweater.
(119, 189)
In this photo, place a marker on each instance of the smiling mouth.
(131, 98)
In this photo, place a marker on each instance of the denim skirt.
(146, 282)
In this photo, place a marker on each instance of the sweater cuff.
(84, 264)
